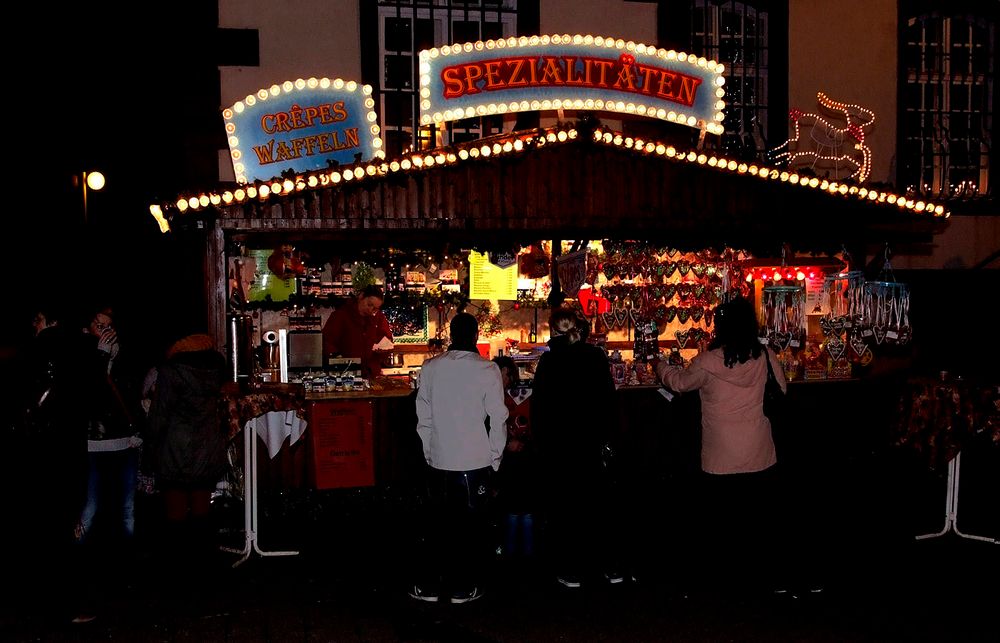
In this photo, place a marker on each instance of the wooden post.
(216, 284)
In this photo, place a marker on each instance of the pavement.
(349, 583)
(856, 505)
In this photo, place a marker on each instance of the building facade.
(908, 86)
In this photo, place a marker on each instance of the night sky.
(133, 94)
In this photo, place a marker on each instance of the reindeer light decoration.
(840, 150)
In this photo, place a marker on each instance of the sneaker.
(614, 577)
(569, 581)
(422, 594)
(466, 597)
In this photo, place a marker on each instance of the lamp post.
(92, 180)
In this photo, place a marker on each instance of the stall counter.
(364, 437)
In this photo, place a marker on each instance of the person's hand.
(108, 342)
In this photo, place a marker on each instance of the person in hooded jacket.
(185, 439)
(739, 484)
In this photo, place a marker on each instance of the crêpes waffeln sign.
(302, 126)
(570, 72)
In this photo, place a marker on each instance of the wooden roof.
(586, 186)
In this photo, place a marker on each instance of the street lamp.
(90, 180)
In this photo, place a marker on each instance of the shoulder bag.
(774, 397)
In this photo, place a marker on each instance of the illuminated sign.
(301, 126)
(570, 72)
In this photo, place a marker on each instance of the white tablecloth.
(274, 427)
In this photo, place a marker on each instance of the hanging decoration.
(784, 316)
(845, 324)
(844, 295)
(888, 304)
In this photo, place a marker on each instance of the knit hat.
(191, 344)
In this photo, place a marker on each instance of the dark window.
(398, 108)
(946, 102)
(464, 31)
(398, 34)
(398, 72)
(405, 27)
(737, 35)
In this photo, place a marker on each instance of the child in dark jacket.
(517, 476)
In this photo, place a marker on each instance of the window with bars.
(407, 26)
(946, 104)
(736, 34)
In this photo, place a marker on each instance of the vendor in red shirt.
(355, 327)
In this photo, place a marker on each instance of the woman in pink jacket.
(739, 489)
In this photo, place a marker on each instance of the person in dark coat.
(572, 415)
(49, 450)
(184, 438)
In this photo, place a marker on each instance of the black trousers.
(456, 529)
(742, 530)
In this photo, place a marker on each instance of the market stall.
(644, 234)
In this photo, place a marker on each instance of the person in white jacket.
(461, 421)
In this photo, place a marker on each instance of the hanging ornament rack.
(887, 303)
(784, 316)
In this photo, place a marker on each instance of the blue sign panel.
(302, 126)
(570, 72)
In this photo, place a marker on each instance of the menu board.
(489, 281)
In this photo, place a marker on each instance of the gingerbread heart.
(668, 292)
(709, 316)
(826, 326)
(905, 335)
(835, 347)
(781, 340)
(621, 315)
(671, 252)
(697, 312)
(879, 332)
(635, 315)
(698, 269)
(857, 345)
(683, 314)
(670, 314)
(683, 267)
(609, 319)
(682, 337)
(669, 268)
